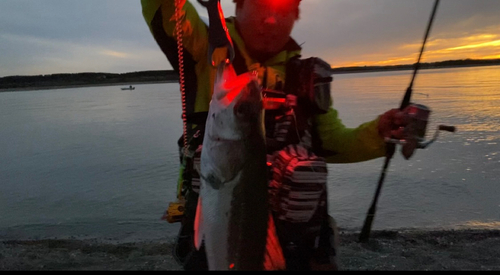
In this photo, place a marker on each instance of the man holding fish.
(259, 133)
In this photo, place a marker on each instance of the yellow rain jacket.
(342, 144)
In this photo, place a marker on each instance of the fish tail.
(273, 259)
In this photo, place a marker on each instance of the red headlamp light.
(275, 1)
(278, 5)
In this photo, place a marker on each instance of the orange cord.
(180, 54)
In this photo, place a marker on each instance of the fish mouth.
(231, 88)
(250, 101)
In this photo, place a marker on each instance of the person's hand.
(392, 124)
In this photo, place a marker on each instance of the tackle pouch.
(310, 80)
(298, 184)
(189, 179)
(195, 179)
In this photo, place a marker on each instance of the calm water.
(101, 162)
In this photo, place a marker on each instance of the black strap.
(239, 64)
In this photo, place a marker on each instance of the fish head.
(236, 107)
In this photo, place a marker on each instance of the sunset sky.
(71, 36)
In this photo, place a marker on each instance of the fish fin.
(198, 226)
(273, 259)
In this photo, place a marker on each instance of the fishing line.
(407, 97)
(296, 125)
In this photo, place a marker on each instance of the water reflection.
(98, 157)
(453, 172)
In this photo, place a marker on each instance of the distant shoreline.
(423, 66)
(78, 80)
(69, 86)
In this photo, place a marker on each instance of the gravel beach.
(386, 250)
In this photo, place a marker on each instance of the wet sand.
(386, 250)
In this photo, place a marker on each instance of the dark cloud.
(43, 34)
(110, 35)
(343, 29)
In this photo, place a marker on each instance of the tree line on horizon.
(428, 65)
(75, 79)
(87, 78)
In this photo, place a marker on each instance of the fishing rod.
(415, 138)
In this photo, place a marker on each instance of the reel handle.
(413, 142)
(447, 128)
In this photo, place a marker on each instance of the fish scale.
(232, 213)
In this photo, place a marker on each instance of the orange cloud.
(115, 54)
(495, 43)
(477, 46)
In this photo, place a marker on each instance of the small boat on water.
(129, 88)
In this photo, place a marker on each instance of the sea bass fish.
(232, 212)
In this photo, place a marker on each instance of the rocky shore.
(386, 250)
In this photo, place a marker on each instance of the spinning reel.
(416, 129)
